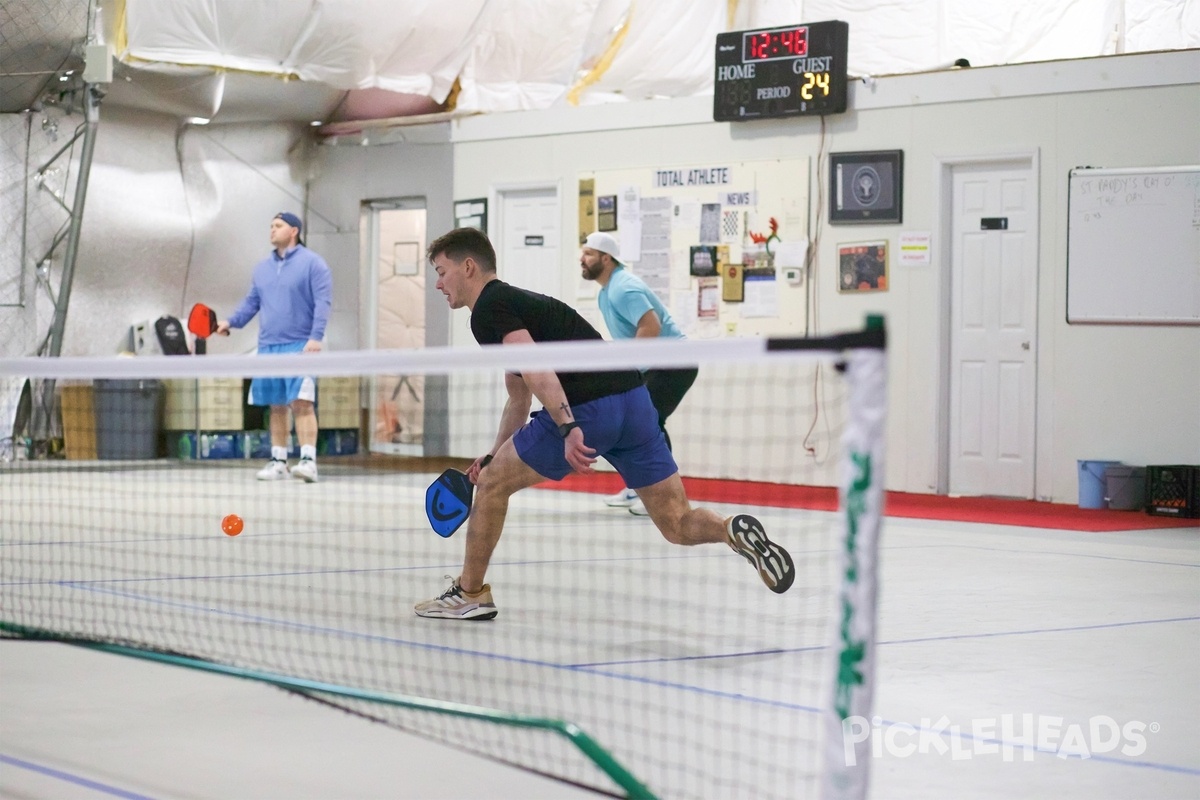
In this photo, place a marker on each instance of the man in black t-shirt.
(584, 415)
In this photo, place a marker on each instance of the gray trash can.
(1125, 487)
(128, 418)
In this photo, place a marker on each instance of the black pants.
(667, 388)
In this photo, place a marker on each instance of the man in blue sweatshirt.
(291, 290)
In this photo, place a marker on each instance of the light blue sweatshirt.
(293, 293)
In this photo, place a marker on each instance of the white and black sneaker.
(455, 603)
(306, 470)
(275, 470)
(748, 539)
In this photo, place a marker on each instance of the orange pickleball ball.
(232, 525)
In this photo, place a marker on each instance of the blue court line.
(150, 537)
(735, 696)
(1101, 626)
(951, 637)
(300, 573)
(459, 651)
(69, 778)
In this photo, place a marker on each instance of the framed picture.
(471, 213)
(863, 267)
(606, 216)
(704, 260)
(866, 187)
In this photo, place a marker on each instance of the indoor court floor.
(1011, 662)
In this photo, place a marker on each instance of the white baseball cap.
(605, 243)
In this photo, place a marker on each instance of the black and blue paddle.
(448, 502)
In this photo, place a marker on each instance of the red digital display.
(775, 43)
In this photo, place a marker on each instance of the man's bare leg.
(500, 480)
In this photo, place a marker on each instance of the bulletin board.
(686, 229)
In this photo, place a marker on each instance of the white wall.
(174, 215)
(1130, 393)
(415, 164)
(409, 163)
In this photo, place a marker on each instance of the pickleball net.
(687, 673)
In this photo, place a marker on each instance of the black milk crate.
(1173, 491)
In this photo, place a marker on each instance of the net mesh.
(677, 660)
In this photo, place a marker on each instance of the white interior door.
(993, 330)
(527, 251)
(396, 267)
(530, 240)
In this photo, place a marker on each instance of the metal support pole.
(91, 110)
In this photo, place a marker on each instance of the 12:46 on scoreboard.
(795, 70)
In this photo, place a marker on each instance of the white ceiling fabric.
(526, 54)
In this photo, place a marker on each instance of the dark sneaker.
(748, 539)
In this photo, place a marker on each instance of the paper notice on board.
(683, 308)
(630, 239)
(914, 248)
(686, 220)
(708, 298)
(710, 223)
(654, 266)
(629, 223)
(791, 254)
(761, 296)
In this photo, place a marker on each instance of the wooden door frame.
(942, 239)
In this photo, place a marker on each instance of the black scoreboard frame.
(786, 71)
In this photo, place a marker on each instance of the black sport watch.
(566, 428)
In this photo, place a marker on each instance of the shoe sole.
(474, 615)
(618, 503)
(272, 477)
(305, 478)
(773, 563)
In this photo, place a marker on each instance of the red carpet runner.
(997, 511)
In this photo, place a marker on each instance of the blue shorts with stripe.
(281, 391)
(621, 427)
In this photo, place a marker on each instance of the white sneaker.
(275, 470)
(306, 470)
(454, 603)
(626, 498)
(638, 509)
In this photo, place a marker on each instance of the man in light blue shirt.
(631, 310)
(291, 291)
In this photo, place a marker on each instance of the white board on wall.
(1133, 245)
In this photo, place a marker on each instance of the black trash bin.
(128, 418)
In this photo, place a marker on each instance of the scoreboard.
(796, 70)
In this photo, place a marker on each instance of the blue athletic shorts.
(621, 427)
(281, 391)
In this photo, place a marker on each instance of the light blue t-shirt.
(626, 299)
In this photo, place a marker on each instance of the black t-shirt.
(502, 309)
